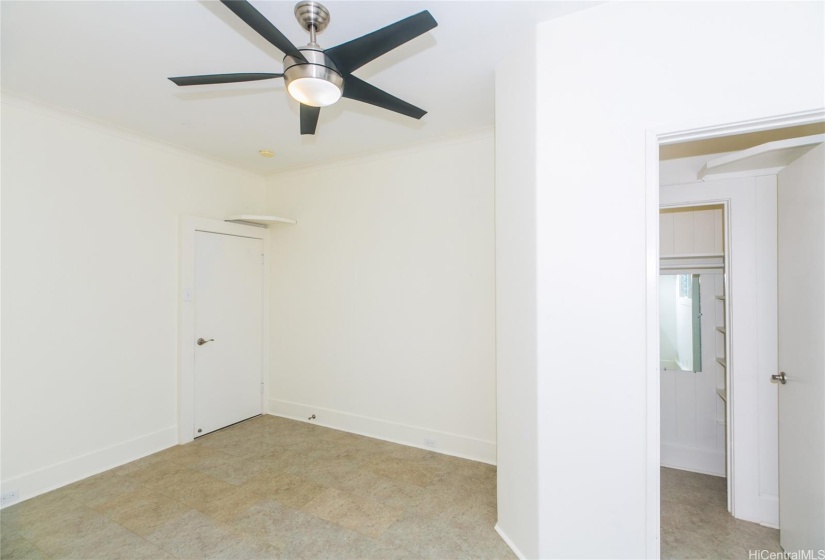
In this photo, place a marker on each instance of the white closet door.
(801, 283)
(229, 320)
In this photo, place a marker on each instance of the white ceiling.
(110, 60)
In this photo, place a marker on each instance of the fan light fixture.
(315, 92)
(315, 82)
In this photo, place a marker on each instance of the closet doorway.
(747, 174)
(693, 338)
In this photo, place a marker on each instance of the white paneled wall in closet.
(692, 333)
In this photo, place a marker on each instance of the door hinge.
(262, 387)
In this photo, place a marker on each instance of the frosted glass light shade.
(315, 92)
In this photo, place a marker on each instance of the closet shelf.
(260, 221)
(765, 159)
(720, 298)
(721, 330)
(722, 394)
(722, 362)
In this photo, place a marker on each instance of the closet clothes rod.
(691, 269)
(689, 266)
(694, 256)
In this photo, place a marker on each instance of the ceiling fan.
(317, 77)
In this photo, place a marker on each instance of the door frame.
(188, 225)
(674, 133)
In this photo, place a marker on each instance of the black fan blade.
(309, 118)
(352, 55)
(359, 90)
(263, 26)
(221, 79)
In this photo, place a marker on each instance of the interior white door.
(228, 319)
(801, 285)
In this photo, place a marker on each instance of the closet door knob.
(779, 378)
(201, 341)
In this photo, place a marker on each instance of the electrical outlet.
(9, 497)
(430, 442)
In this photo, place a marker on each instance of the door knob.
(201, 342)
(779, 378)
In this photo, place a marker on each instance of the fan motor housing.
(318, 65)
(312, 15)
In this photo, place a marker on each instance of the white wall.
(684, 231)
(517, 385)
(680, 171)
(383, 295)
(89, 247)
(605, 78)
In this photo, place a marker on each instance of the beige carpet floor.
(268, 488)
(276, 488)
(696, 523)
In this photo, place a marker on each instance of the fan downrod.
(312, 16)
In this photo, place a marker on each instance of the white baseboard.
(49, 478)
(769, 510)
(695, 459)
(449, 444)
(509, 543)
